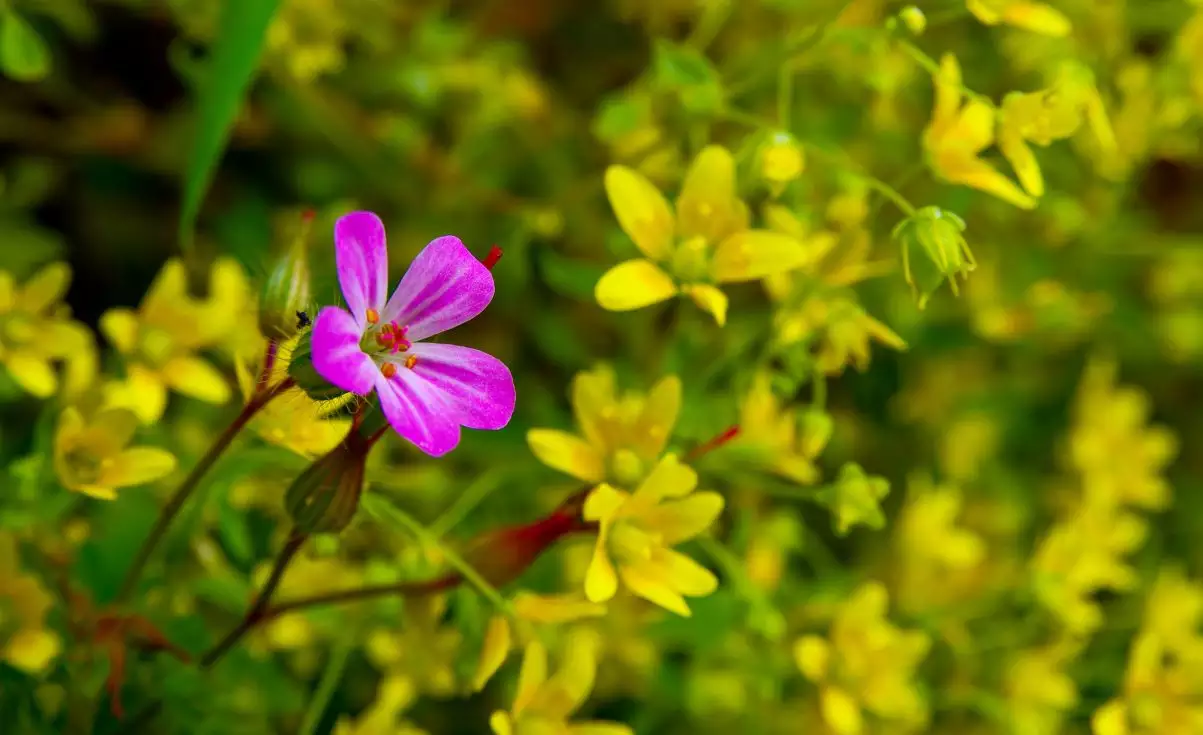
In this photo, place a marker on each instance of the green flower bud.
(854, 499)
(324, 498)
(944, 253)
(285, 295)
(914, 19)
(300, 369)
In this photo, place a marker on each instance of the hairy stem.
(189, 485)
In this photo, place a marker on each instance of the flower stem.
(189, 485)
(359, 594)
(329, 682)
(295, 541)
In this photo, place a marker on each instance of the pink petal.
(477, 386)
(361, 255)
(418, 412)
(444, 287)
(336, 353)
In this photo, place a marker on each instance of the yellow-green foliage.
(766, 474)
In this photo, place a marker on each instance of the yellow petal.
(194, 377)
(1111, 719)
(980, 175)
(120, 327)
(633, 284)
(679, 520)
(840, 711)
(644, 582)
(985, 11)
(1023, 161)
(1036, 17)
(137, 466)
(973, 129)
(45, 288)
(501, 723)
(592, 397)
(567, 453)
(659, 416)
(670, 478)
(110, 431)
(32, 649)
(753, 254)
(598, 728)
(531, 676)
(100, 492)
(169, 289)
(494, 651)
(813, 656)
(555, 609)
(708, 206)
(688, 577)
(32, 373)
(142, 392)
(710, 300)
(948, 97)
(601, 581)
(642, 211)
(79, 353)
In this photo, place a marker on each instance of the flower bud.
(943, 252)
(914, 19)
(324, 498)
(285, 293)
(781, 159)
(854, 499)
(301, 370)
(502, 555)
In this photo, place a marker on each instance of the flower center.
(691, 260)
(84, 466)
(384, 338)
(631, 544)
(627, 467)
(156, 345)
(17, 329)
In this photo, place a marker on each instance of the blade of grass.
(231, 68)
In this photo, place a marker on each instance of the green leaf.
(572, 278)
(24, 55)
(621, 115)
(232, 65)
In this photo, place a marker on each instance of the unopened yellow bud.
(781, 159)
(914, 19)
(286, 292)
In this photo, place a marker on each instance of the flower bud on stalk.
(500, 556)
(286, 292)
(324, 498)
(942, 253)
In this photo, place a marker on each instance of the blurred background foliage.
(976, 517)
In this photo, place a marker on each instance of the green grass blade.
(233, 61)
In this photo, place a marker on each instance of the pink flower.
(427, 391)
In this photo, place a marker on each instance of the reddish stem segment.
(491, 259)
(712, 444)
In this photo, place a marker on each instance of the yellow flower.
(637, 532)
(956, 136)
(783, 441)
(1039, 691)
(933, 550)
(781, 161)
(1031, 16)
(1118, 456)
(854, 499)
(1165, 667)
(36, 331)
(706, 242)
(293, 420)
(92, 455)
(1083, 555)
(866, 664)
(528, 608)
(26, 643)
(543, 704)
(160, 340)
(622, 435)
(1051, 114)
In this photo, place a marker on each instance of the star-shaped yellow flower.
(705, 242)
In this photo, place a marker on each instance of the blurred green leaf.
(24, 55)
(572, 278)
(621, 115)
(690, 74)
(232, 66)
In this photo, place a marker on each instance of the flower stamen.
(373, 316)
(388, 369)
(411, 361)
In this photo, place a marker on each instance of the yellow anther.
(411, 361)
(388, 369)
(373, 316)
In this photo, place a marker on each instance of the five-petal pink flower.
(426, 390)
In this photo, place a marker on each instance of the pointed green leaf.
(23, 54)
